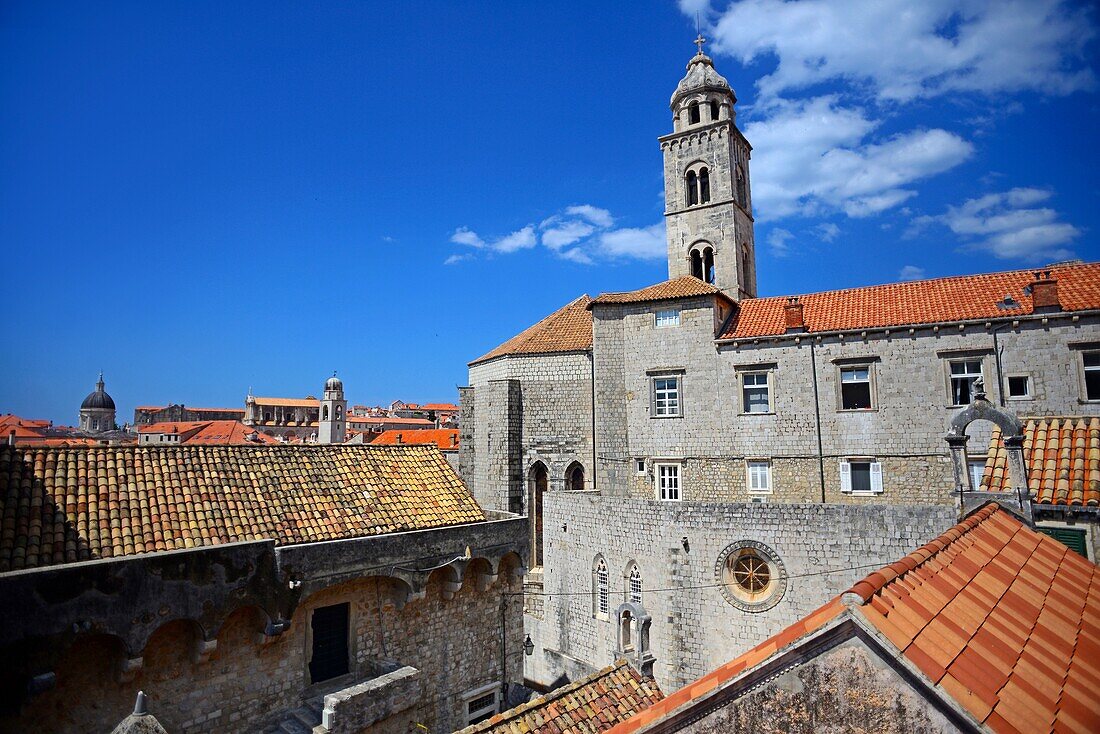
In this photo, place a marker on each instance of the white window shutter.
(876, 477)
(845, 477)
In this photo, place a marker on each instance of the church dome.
(333, 383)
(99, 399)
(701, 77)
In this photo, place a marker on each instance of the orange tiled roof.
(78, 504)
(998, 617)
(446, 407)
(216, 433)
(444, 438)
(1062, 456)
(683, 287)
(940, 300)
(569, 329)
(290, 402)
(592, 704)
(373, 420)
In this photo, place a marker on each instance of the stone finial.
(979, 388)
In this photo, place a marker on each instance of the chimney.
(1044, 293)
(454, 439)
(11, 438)
(792, 314)
(398, 438)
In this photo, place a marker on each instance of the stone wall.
(846, 688)
(243, 681)
(823, 549)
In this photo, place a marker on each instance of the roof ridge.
(875, 581)
(941, 278)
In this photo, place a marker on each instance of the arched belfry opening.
(632, 638)
(538, 481)
(574, 477)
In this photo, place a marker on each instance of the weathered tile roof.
(289, 402)
(592, 704)
(1001, 619)
(939, 300)
(1062, 456)
(446, 407)
(683, 287)
(569, 329)
(219, 433)
(444, 438)
(65, 505)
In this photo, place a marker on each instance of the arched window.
(742, 195)
(696, 265)
(704, 186)
(708, 265)
(692, 188)
(324, 413)
(600, 588)
(713, 110)
(693, 113)
(745, 265)
(539, 478)
(574, 477)
(634, 584)
(339, 412)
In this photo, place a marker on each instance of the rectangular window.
(855, 388)
(1091, 361)
(639, 467)
(963, 374)
(756, 392)
(860, 476)
(481, 705)
(330, 642)
(977, 469)
(1019, 386)
(666, 318)
(760, 476)
(666, 396)
(668, 481)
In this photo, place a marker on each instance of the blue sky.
(198, 198)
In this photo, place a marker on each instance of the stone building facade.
(696, 405)
(253, 588)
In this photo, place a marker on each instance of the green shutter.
(1071, 538)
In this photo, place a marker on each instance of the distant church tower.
(708, 209)
(332, 423)
(97, 412)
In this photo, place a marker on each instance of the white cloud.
(814, 159)
(777, 242)
(827, 231)
(691, 7)
(457, 258)
(1009, 225)
(911, 272)
(647, 243)
(581, 233)
(595, 215)
(899, 50)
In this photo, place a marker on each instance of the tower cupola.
(703, 96)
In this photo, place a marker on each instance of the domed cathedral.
(708, 209)
(97, 412)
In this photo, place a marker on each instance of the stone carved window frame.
(753, 603)
(1080, 349)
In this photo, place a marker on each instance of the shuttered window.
(858, 476)
(1072, 538)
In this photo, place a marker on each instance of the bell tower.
(332, 421)
(708, 209)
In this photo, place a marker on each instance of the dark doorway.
(330, 642)
(539, 481)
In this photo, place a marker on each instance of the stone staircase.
(302, 720)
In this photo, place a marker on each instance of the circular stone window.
(752, 576)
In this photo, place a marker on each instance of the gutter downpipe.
(997, 362)
(817, 418)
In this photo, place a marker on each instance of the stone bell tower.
(332, 421)
(708, 209)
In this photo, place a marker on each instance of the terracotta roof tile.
(684, 287)
(941, 300)
(444, 438)
(569, 329)
(1062, 456)
(592, 704)
(289, 402)
(1016, 642)
(77, 504)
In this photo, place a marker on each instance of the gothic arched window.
(742, 194)
(539, 480)
(600, 587)
(692, 188)
(574, 477)
(708, 265)
(704, 185)
(634, 584)
(693, 113)
(713, 110)
(696, 265)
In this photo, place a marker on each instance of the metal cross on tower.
(699, 41)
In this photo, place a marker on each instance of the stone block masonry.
(823, 549)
